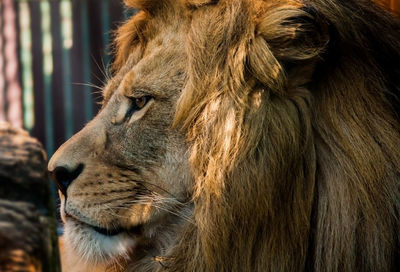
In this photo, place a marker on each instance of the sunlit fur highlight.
(291, 110)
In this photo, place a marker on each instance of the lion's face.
(126, 174)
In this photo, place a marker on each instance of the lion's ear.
(293, 33)
(293, 36)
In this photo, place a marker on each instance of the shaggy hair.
(291, 110)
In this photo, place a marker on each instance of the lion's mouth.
(105, 231)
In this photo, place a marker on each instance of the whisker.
(89, 85)
(142, 182)
(102, 70)
(160, 205)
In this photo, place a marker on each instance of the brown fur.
(291, 110)
(308, 178)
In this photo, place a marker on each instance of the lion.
(240, 135)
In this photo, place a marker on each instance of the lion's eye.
(138, 103)
(141, 102)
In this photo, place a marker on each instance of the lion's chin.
(91, 246)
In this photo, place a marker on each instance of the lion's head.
(241, 135)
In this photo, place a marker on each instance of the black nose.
(63, 177)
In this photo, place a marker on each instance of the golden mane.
(291, 109)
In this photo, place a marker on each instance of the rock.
(28, 240)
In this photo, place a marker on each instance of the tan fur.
(290, 113)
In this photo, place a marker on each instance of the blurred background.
(54, 58)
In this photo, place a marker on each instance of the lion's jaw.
(129, 193)
(88, 248)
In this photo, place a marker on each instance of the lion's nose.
(64, 176)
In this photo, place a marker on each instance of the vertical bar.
(47, 73)
(2, 63)
(96, 49)
(78, 63)
(38, 130)
(14, 92)
(67, 38)
(86, 61)
(105, 23)
(26, 63)
(58, 75)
